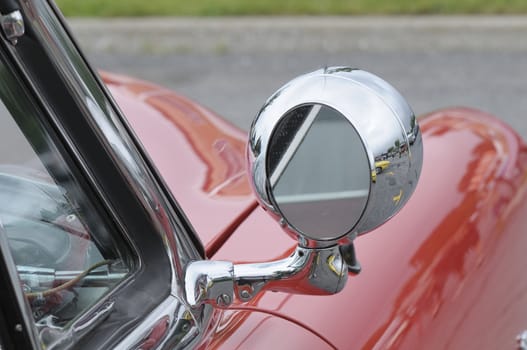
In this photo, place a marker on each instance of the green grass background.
(286, 7)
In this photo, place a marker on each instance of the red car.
(133, 218)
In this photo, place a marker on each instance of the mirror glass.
(318, 172)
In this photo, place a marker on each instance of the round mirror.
(318, 172)
(334, 153)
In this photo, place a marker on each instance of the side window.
(67, 253)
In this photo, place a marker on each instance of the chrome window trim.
(115, 135)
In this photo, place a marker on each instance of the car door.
(92, 244)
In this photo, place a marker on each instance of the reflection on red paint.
(200, 156)
(223, 153)
(157, 333)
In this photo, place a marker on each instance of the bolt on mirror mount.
(332, 155)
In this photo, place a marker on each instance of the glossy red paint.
(199, 155)
(242, 329)
(156, 334)
(445, 273)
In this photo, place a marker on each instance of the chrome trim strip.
(12, 25)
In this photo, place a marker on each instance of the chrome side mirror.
(332, 155)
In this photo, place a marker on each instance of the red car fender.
(446, 272)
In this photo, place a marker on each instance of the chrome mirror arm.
(320, 271)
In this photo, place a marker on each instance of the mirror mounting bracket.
(350, 257)
(321, 271)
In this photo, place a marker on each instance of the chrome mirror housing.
(334, 154)
(331, 155)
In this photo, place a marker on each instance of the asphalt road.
(232, 65)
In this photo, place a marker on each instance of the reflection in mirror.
(319, 172)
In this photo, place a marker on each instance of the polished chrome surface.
(99, 314)
(90, 95)
(12, 25)
(306, 271)
(521, 339)
(386, 128)
(210, 282)
(170, 326)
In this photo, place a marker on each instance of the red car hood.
(200, 156)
